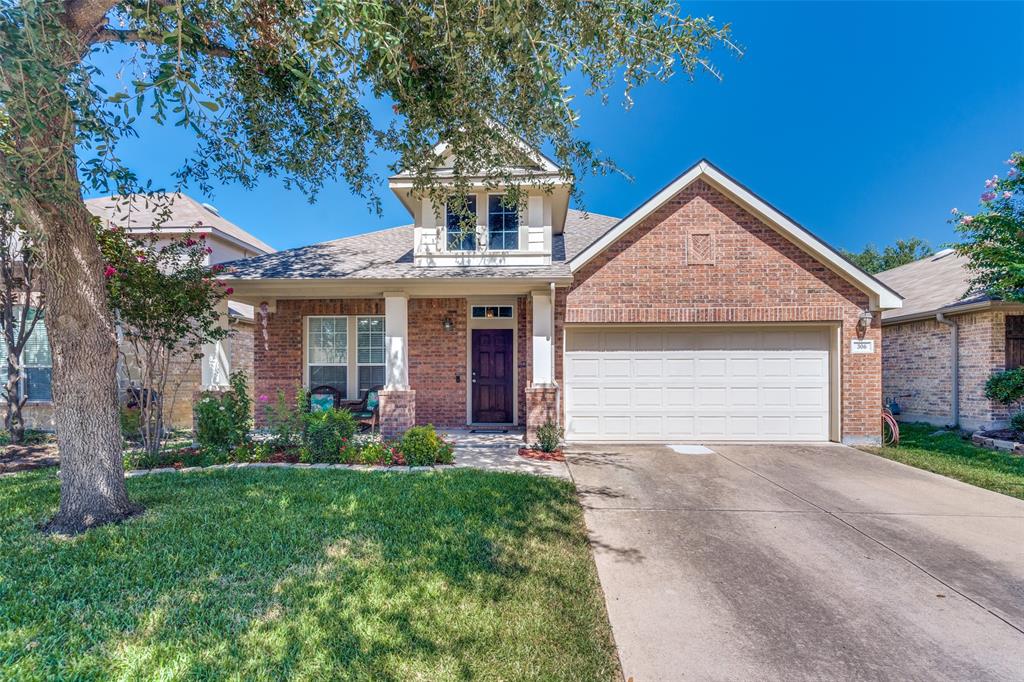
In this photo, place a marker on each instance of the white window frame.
(487, 224)
(348, 352)
(384, 348)
(476, 226)
(23, 382)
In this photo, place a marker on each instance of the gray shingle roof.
(388, 254)
(135, 212)
(930, 284)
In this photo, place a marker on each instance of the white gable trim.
(882, 297)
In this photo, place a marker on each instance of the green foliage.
(1017, 422)
(131, 424)
(993, 238)
(285, 418)
(376, 451)
(326, 433)
(902, 252)
(422, 446)
(549, 436)
(947, 453)
(306, 575)
(1006, 387)
(223, 420)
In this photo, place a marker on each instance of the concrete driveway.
(788, 562)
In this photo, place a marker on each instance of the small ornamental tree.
(164, 298)
(994, 236)
(21, 307)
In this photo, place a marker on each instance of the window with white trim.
(460, 223)
(502, 224)
(370, 352)
(37, 364)
(327, 353)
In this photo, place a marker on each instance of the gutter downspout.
(955, 358)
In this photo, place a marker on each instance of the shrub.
(223, 420)
(284, 419)
(131, 424)
(1006, 387)
(421, 446)
(549, 436)
(1017, 422)
(326, 433)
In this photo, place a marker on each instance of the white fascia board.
(881, 297)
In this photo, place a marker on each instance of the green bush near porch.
(274, 574)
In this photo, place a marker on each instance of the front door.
(492, 376)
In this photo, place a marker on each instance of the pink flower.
(1011, 161)
(991, 181)
(1007, 195)
(264, 398)
(988, 196)
(201, 235)
(229, 291)
(190, 242)
(208, 250)
(1012, 172)
(967, 219)
(109, 272)
(216, 268)
(955, 211)
(141, 259)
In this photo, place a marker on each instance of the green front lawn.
(308, 575)
(945, 452)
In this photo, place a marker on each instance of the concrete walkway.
(499, 452)
(796, 562)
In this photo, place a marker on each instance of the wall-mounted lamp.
(448, 324)
(865, 319)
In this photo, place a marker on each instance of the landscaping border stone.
(997, 444)
(133, 473)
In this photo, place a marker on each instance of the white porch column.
(217, 356)
(396, 340)
(543, 339)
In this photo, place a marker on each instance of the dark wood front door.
(492, 375)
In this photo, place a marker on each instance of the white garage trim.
(703, 383)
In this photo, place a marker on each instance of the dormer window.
(502, 224)
(461, 224)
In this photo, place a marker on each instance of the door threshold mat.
(692, 450)
(488, 430)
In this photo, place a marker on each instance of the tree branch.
(110, 35)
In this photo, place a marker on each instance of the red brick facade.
(699, 259)
(747, 272)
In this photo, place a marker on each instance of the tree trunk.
(84, 348)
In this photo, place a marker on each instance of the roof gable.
(882, 297)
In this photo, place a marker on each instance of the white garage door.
(629, 384)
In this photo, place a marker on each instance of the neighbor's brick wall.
(757, 276)
(982, 354)
(916, 370)
(436, 358)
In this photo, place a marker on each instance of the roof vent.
(211, 208)
(939, 255)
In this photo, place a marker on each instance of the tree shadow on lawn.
(309, 575)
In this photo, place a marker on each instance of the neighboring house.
(943, 345)
(704, 315)
(227, 242)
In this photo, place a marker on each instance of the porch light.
(864, 319)
(448, 324)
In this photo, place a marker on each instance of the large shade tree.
(282, 88)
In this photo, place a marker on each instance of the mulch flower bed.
(536, 453)
(24, 457)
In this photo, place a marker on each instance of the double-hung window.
(370, 352)
(502, 224)
(36, 362)
(460, 222)
(327, 349)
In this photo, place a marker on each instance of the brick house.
(227, 241)
(705, 314)
(943, 345)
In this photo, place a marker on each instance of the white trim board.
(882, 297)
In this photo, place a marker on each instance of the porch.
(456, 362)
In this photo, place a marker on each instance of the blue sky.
(864, 122)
